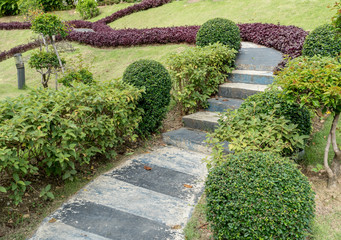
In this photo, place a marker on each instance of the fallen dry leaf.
(225, 100)
(147, 168)
(26, 216)
(187, 186)
(176, 227)
(52, 220)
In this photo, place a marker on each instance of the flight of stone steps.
(254, 66)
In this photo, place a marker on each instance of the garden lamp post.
(20, 69)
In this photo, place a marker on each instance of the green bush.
(264, 102)
(52, 5)
(87, 8)
(246, 131)
(197, 72)
(325, 41)
(156, 81)
(53, 133)
(219, 30)
(8, 7)
(83, 75)
(259, 196)
(314, 82)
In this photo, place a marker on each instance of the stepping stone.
(221, 104)
(206, 121)
(240, 90)
(252, 77)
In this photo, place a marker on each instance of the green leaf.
(2, 189)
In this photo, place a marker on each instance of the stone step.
(206, 121)
(240, 90)
(252, 77)
(189, 139)
(260, 59)
(220, 104)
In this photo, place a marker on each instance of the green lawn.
(106, 64)
(13, 38)
(303, 13)
(73, 15)
(315, 150)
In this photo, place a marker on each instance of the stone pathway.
(152, 195)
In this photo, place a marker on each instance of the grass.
(73, 15)
(307, 14)
(315, 150)
(105, 64)
(13, 38)
(327, 227)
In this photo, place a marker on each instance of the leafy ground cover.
(307, 14)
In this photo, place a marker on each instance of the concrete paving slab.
(190, 139)
(111, 223)
(158, 179)
(141, 202)
(263, 59)
(177, 159)
(221, 104)
(206, 121)
(240, 90)
(251, 77)
(59, 230)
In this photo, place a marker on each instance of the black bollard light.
(20, 69)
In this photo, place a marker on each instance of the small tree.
(48, 26)
(316, 83)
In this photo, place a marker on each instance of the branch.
(325, 160)
(333, 133)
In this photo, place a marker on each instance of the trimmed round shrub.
(259, 196)
(219, 30)
(155, 79)
(266, 101)
(324, 41)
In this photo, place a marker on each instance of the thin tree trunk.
(44, 41)
(333, 171)
(336, 164)
(56, 81)
(55, 50)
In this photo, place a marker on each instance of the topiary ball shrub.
(219, 30)
(325, 41)
(154, 77)
(266, 101)
(257, 195)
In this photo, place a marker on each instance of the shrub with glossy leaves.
(49, 25)
(264, 102)
(219, 30)
(324, 41)
(155, 79)
(259, 196)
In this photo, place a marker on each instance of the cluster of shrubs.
(87, 8)
(53, 133)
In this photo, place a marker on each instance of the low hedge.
(259, 196)
(52, 132)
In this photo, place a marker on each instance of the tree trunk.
(56, 51)
(44, 80)
(333, 171)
